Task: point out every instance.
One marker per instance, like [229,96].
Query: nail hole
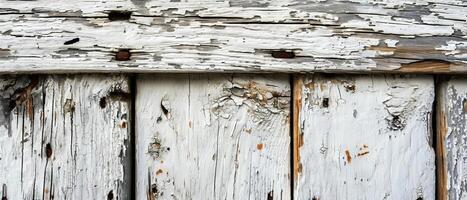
[465,105]
[154,189]
[123,55]
[119,15]
[103,102]
[283,54]
[326,102]
[110,196]
[48,150]
[164,109]
[72,41]
[271,195]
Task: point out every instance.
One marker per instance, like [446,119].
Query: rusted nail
[123,55]
[119,15]
[283,54]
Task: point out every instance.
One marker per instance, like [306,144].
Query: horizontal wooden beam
[367,36]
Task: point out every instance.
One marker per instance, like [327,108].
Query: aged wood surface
[213,137]
[407,36]
[364,137]
[451,139]
[64,137]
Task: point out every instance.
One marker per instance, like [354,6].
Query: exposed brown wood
[426,66]
[297,136]
[451,145]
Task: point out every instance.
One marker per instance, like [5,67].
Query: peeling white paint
[366,137]
[236,35]
[454,108]
[58,143]
[227,137]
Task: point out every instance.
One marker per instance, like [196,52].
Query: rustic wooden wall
[232,136]
[64,137]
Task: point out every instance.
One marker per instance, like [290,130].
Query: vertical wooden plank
[64,137]
[364,137]
[452,139]
[213,137]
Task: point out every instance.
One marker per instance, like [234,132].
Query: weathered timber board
[213,137]
[363,137]
[451,139]
[426,36]
[64,137]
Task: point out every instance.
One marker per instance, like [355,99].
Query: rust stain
[190,124]
[436,66]
[348,157]
[24,98]
[464,105]
[297,135]
[363,153]
[260,146]
[440,150]
[123,124]
[159,172]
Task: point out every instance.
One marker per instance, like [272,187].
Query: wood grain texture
[424,36]
[452,142]
[64,137]
[213,137]
[365,137]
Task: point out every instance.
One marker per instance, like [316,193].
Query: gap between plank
[132,84]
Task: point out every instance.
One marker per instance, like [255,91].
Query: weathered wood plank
[407,36]
[451,139]
[364,137]
[213,137]
[64,137]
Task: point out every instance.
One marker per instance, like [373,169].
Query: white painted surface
[234,35]
[58,143]
[213,137]
[371,141]
[454,134]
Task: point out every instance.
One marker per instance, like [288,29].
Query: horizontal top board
[62,36]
